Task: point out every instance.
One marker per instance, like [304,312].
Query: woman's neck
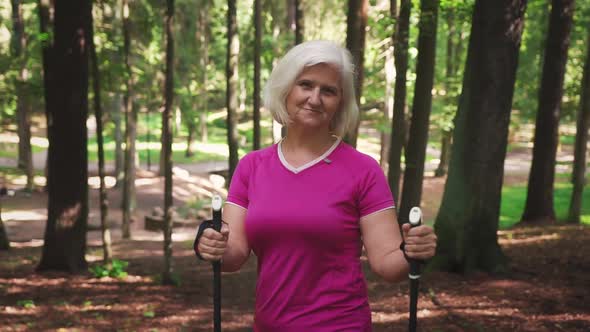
[300,148]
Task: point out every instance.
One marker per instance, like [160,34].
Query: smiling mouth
[313,110]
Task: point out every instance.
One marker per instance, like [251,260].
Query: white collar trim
[309,164]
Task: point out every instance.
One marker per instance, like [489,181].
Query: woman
[307,205]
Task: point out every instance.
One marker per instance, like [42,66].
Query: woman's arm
[238,250]
[382,238]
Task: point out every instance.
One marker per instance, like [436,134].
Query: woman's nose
[314,97]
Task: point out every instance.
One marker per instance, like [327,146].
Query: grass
[514,198]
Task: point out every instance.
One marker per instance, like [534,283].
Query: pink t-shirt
[303,225]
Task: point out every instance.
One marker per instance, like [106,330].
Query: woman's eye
[305,84]
[330,92]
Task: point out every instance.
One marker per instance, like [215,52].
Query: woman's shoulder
[257,156]
[356,157]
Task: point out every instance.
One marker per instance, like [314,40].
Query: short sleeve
[374,194]
[238,188]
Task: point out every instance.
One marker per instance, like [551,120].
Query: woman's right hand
[212,244]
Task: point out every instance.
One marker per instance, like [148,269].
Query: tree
[356,23]
[467,221]
[296,21]
[583,123]
[231,94]
[19,46]
[256,94]
[539,202]
[167,277]
[421,107]
[103,202]
[398,123]
[65,234]
[204,34]
[4,243]
[128,201]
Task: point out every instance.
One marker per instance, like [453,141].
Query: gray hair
[307,54]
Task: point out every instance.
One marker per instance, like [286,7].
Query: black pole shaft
[217,279]
[414,276]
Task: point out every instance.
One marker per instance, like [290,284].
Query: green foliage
[116,269]
[25,303]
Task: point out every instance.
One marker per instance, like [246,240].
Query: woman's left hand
[420,241]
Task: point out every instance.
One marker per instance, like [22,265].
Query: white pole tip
[216,202]
[415,216]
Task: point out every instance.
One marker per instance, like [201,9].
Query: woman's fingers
[213,244]
[420,241]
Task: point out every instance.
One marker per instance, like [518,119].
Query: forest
[120,119]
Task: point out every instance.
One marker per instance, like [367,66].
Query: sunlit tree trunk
[583,124]
[355,42]
[103,202]
[398,123]
[467,221]
[128,202]
[231,101]
[421,107]
[539,202]
[167,277]
[64,245]
[19,49]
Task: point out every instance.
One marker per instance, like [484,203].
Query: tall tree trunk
[65,235]
[539,202]
[467,221]
[130,133]
[231,101]
[451,58]
[583,123]
[385,137]
[204,31]
[167,277]
[356,22]
[191,127]
[398,123]
[117,112]
[256,96]
[106,234]
[421,107]
[46,17]
[299,23]
[19,46]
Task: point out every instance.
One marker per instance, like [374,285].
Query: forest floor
[547,288]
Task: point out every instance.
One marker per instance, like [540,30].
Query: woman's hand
[420,241]
[212,244]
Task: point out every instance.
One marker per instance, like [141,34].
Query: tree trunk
[204,28]
[4,243]
[451,58]
[231,101]
[256,94]
[46,18]
[387,109]
[583,123]
[299,23]
[356,22]
[19,46]
[191,127]
[117,111]
[103,202]
[398,123]
[421,107]
[539,202]
[167,277]
[467,221]
[128,201]
[65,235]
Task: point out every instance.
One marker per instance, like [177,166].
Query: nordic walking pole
[414,275]
[216,205]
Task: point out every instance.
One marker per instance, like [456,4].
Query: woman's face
[315,97]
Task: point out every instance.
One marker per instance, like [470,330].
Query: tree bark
[467,221]
[356,22]
[583,123]
[4,243]
[231,101]
[256,94]
[539,202]
[65,235]
[421,107]
[19,47]
[103,201]
[167,277]
[128,202]
[398,123]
